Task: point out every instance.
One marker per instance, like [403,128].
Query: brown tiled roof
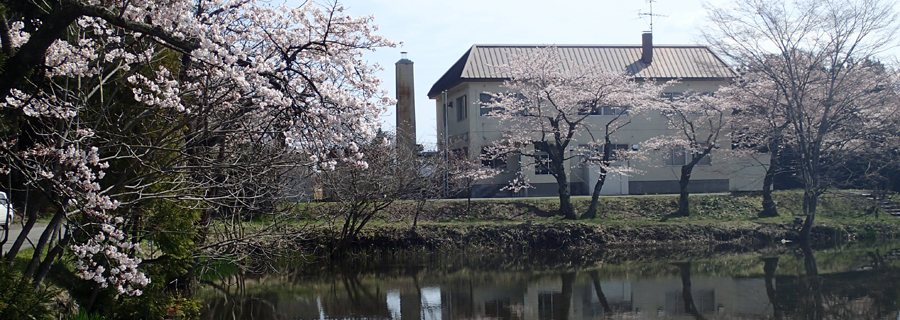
[481,62]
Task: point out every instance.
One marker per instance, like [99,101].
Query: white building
[460,90]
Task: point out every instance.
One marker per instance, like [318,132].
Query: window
[498,161]
[461,153]
[672,96]
[618,151]
[461,108]
[704,301]
[706,160]
[589,109]
[525,107]
[485,99]
[548,302]
[541,164]
[596,154]
[498,309]
[675,157]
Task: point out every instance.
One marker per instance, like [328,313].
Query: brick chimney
[647,47]
[406,104]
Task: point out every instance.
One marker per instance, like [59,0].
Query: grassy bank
[636,224]
[836,207]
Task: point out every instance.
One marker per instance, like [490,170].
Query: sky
[437,33]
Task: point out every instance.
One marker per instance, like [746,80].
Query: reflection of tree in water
[595,280]
[870,293]
[812,285]
[361,297]
[769,267]
[562,309]
[236,305]
[688,298]
[859,294]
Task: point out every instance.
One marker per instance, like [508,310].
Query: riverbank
[589,243]
[628,228]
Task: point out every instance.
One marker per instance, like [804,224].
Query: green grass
[838,206]
[834,208]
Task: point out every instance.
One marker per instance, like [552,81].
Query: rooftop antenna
[650,14]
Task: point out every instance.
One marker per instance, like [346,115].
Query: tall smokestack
[406,104]
[647,47]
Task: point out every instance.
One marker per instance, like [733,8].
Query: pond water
[853,282]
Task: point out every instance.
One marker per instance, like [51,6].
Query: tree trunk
[769,207]
[591,212]
[683,201]
[419,206]
[469,198]
[565,200]
[810,202]
[93,298]
[43,242]
[557,166]
[31,214]
[57,250]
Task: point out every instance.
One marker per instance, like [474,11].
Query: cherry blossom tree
[464,172]
[547,108]
[814,54]
[198,103]
[698,122]
[759,126]
[389,173]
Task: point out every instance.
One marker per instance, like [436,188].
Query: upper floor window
[677,157]
[603,111]
[485,99]
[618,151]
[671,96]
[596,153]
[461,108]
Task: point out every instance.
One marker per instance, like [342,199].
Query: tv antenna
[650,14]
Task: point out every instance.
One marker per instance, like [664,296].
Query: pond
[860,281]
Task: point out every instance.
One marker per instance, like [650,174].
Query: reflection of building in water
[617,294]
[712,296]
[551,297]
[566,296]
[431,303]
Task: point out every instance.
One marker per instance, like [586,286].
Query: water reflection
[783,287]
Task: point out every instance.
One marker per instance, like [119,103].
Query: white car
[6,212]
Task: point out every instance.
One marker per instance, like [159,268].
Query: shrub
[19,300]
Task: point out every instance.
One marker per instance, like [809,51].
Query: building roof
[481,62]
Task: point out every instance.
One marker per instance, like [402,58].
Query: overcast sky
[437,33]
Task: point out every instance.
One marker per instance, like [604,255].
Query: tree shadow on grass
[526,208]
[672,215]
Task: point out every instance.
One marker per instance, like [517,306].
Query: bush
[19,300]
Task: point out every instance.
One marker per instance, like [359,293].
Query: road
[16,228]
